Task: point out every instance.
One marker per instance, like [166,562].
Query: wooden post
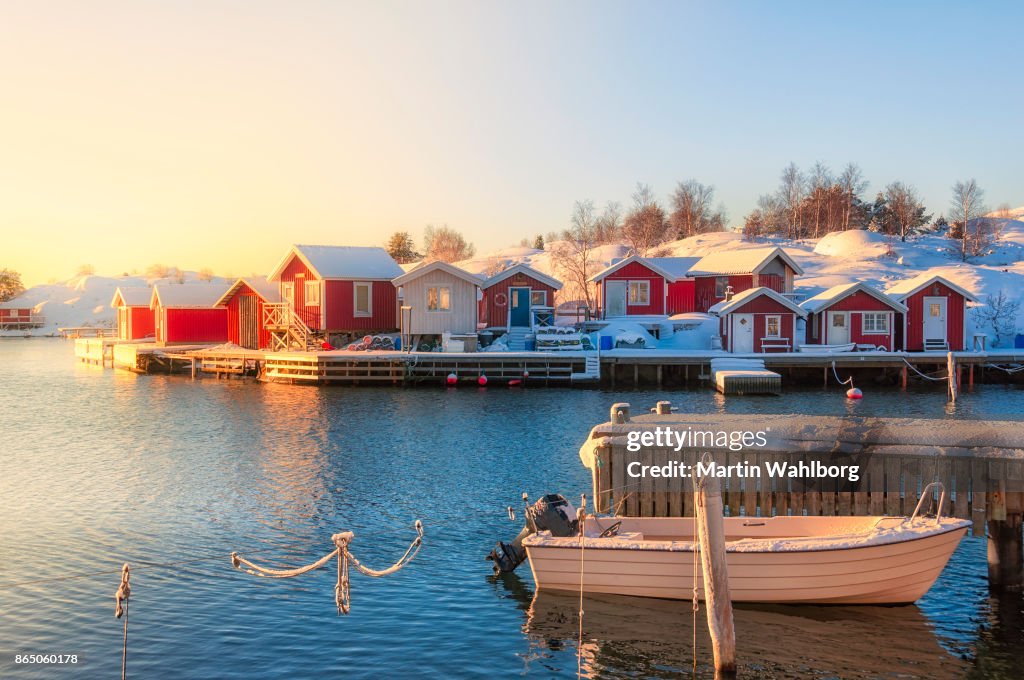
[619,412]
[951,373]
[970,377]
[663,408]
[824,374]
[1005,556]
[903,377]
[716,575]
[659,375]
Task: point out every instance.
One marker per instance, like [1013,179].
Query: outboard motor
[550,513]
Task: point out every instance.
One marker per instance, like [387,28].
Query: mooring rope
[581,517]
[1016,368]
[842,382]
[342,598]
[124,591]
[697,485]
[924,375]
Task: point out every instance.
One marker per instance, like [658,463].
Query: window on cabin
[721,284]
[875,322]
[773,327]
[288,291]
[312,293]
[362,301]
[935,310]
[639,292]
[439,299]
[538,298]
[814,326]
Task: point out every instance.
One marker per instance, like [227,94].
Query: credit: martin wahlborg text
[669,438]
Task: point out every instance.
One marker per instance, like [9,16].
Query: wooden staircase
[517,338]
[287,330]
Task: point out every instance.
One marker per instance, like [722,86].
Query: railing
[285,326]
[19,321]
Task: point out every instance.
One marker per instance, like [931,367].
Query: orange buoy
[854,393]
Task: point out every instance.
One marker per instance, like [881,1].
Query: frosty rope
[124,591]
[848,381]
[342,598]
[925,375]
[581,516]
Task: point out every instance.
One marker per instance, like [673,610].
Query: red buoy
[452,379]
[854,393]
[482,381]
[515,383]
[526,374]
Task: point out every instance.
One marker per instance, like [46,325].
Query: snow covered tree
[967,206]
[402,248]
[445,244]
[573,254]
[10,284]
[999,314]
[645,225]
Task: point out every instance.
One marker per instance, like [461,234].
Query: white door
[742,332]
[614,298]
[838,328]
[935,319]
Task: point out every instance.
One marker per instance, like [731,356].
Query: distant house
[644,286]
[188,313]
[853,312]
[340,289]
[134,316]
[244,301]
[15,317]
[442,299]
[936,316]
[758,320]
[509,296]
[741,270]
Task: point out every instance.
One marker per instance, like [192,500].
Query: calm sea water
[101,467]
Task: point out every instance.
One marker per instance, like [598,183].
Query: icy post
[711,530]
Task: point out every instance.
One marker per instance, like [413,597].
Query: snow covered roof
[268,290]
[726,306]
[132,296]
[745,261]
[191,295]
[679,267]
[342,262]
[649,262]
[526,270]
[834,294]
[436,265]
[904,289]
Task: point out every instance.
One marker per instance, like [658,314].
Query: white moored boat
[810,560]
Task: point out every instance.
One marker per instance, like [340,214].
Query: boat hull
[893,573]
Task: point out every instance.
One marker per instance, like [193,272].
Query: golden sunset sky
[214,134]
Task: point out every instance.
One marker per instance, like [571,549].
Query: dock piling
[718,606]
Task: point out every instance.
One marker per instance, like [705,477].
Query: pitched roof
[726,306]
[342,262]
[190,295]
[649,262]
[679,267]
[745,261]
[904,289]
[427,267]
[829,297]
[268,290]
[526,269]
[132,296]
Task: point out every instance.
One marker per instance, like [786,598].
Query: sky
[214,134]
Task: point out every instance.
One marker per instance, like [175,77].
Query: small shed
[758,320]
[244,301]
[14,317]
[510,295]
[134,316]
[187,313]
[340,289]
[441,298]
[739,270]
[632,286]
[853,312]
[936,316]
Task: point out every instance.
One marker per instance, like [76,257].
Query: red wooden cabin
[853,312]
[645,286]
[134,315]
[509,296]
[340,289]
[20,318]
[741,270]
[186,313]
[244,301]
[936,316]
[758,320]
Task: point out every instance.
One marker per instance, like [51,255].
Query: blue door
[519,303]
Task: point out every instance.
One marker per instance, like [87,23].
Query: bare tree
[905,209]
[609,224]
[818,182]
[791,194]
[573,254]
[999,313]
[967,205]
[852,183]
[691,209]
[445,244]
[205,274]
[1003,212]
[645,225]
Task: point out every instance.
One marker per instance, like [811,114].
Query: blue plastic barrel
[606,342]
[398,343]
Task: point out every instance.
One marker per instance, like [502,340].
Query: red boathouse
[853,312]
[739,270]
[134,316]
[936,317]
[758,320]
[645,286]
[244,301]
[186,313]
[510,296]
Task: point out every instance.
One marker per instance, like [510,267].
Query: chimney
[728,293]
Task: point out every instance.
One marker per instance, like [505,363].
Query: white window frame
[368,285]
[643,285]
[543,294]
[314,288]
[440,299]
[876,329]
[722,281]
[768,323]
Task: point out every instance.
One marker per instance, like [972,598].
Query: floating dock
[744,376]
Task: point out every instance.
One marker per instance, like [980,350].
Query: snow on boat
[828,349]
[806,560]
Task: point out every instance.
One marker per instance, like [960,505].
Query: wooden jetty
[98,351]
[980,464]
[75,332]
